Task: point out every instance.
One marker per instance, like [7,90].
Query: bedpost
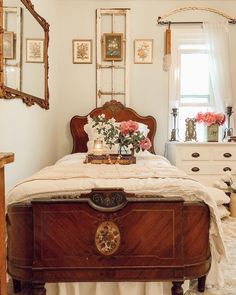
[201,284]
[177,288]
[16,286]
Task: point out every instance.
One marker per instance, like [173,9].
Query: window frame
[182,36]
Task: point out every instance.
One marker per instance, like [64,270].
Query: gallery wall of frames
[113,48]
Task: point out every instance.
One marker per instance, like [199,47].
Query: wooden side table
[5,158]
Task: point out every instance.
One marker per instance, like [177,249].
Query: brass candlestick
[229,130]
[174,131]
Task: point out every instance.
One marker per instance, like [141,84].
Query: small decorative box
[110,159]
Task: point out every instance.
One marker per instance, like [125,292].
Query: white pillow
[143,128]
[93,134]
[223,212]
[220,184]
[218,195]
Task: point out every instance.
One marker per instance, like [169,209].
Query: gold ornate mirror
[24,38]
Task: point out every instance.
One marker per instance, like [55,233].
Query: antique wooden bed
[108,234]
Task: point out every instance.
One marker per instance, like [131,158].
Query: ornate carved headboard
[111,109]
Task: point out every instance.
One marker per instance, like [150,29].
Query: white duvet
[151,174]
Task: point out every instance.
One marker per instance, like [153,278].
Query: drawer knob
[227,169]
[195,169]
[195,155]
[227,155]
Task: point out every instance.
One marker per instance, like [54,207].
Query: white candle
[98,147]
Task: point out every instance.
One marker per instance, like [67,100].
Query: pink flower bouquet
[127,127]
[210,118]
[130,135]
[126,134]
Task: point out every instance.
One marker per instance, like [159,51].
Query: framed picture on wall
[35,50]
[112,46]
[8,45]
[82,51]
[143,51]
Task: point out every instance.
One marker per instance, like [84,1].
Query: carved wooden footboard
[108,235]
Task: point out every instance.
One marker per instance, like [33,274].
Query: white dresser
[205,161]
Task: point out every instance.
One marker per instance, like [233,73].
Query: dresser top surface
[200,143]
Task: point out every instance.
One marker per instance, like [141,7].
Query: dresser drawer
[193,153]
[222,167]
[224,153]
[211,167]
[197,168]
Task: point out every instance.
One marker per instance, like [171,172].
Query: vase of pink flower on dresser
[212,121]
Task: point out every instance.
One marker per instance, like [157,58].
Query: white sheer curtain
[217,38]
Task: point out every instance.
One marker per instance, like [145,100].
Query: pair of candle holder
[228,132]
[174,131]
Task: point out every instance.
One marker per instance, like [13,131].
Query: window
[194,78]
[190,86]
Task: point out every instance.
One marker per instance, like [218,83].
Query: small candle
[98,147]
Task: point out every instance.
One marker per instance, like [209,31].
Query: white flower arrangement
[107,129]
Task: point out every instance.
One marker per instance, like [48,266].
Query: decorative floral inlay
[107,238]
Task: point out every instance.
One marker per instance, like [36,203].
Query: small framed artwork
[112,46]
[8,45]
[82,51]
[35,50]
[143,51]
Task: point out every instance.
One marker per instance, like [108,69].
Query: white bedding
[150,175]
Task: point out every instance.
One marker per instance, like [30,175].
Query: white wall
[39,137]
[149,83]
[29,132]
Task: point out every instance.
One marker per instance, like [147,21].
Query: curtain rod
[159,22]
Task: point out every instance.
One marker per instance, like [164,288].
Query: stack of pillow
[219,192]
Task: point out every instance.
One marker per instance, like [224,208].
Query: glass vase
[124,150]
[213,133]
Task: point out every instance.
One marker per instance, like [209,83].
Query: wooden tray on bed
[110,159]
